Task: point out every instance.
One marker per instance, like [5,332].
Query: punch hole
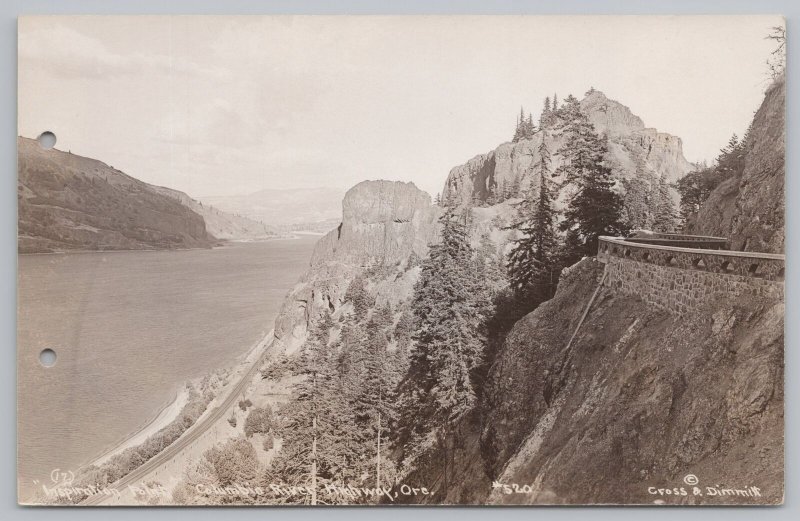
[47,357]
[47,140]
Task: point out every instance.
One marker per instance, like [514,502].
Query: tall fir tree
[532,261]
[570,110]
[519,132]
[530,128]
[595,208]
[320,436]
[438,388]
[665,214]
[544,117]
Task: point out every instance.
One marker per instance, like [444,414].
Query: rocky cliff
[749,208]
[640,404]
[384,224]
[634,151]
[69,202]
[643,397]
[640,399]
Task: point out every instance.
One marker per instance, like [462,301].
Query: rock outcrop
[634,151]
[749,208]
[70,202]
[384,224]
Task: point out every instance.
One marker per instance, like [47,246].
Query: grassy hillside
[69,202]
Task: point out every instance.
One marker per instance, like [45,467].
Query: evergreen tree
[530,128]
[555,103]
[569,112]
[544,117]
[595,209]
[665,215]
[438,387]
[695,187]
[730,161]
[532,261]
[357,294]
[519,133]
[320,437]
[638,203]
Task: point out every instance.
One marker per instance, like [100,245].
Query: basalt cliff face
[634,151]
[749,208]
[384,224]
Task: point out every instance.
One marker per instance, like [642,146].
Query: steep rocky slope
[749,208]
[69,202]
[634,151]
[384,224]
[640,399]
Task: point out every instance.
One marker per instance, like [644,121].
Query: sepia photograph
[400,260]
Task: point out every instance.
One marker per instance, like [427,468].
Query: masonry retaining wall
[685,280]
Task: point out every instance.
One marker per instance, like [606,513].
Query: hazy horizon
[224,106]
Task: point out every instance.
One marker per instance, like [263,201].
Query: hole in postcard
[47,140]
[47,357]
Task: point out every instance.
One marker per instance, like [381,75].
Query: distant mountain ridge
[307,207]
[221,224]
[70,202]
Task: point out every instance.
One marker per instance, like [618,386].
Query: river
[128,328]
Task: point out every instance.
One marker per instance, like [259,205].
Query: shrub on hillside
[258,421]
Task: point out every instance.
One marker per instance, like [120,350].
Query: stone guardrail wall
[685,280]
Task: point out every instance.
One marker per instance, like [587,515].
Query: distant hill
[221,224]
[70,202]
[284,207]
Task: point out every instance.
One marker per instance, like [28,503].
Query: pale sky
[231,105]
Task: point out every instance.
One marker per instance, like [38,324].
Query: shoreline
[165,415]
[222,243]
[170,411]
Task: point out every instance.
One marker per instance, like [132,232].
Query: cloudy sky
[231,105]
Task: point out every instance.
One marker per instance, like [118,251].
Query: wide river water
[128,329]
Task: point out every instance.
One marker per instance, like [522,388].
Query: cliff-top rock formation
[634,151]
[384,223]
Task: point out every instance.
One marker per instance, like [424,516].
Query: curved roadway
[194,432]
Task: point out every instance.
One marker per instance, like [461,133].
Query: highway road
[138,476]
